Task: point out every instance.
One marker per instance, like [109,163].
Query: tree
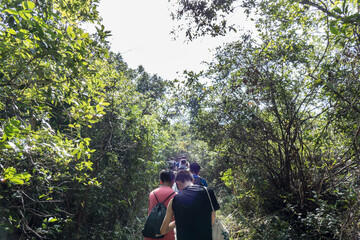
[279,108]
[129,141]
[50,89]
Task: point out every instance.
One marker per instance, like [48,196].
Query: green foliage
[274,122]
[282,112]
[11,175]
[39,66]
[154,86]
[206,17]
[79,145]
[128,142]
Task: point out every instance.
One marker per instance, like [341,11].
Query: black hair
[184,176]
[194,167]
[167,176]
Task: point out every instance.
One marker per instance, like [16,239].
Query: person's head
[167,177]
[194,168]
[183,161]
[183,179]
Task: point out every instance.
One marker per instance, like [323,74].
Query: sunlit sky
[141,33]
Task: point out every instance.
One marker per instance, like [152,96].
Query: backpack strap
[168,197]
[212,207]
[165,198]
[156,198]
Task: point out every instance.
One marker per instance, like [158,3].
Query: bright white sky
[141,33]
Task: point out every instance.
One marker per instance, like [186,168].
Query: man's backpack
[197,181]
[171,164]
[155,219]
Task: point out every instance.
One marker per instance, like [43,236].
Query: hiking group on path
[182,202]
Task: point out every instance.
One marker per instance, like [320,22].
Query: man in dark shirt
[191,209]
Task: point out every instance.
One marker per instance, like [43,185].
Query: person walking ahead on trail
[191,209]
[195,169]
[179,162]
[172,164]
[166,180]
[183,165]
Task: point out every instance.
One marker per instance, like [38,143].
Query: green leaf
[28,5]
[11,11]
[70,32]
[20,179]
[25,15]
[85,35]
[41,196]
[318,82]
[11,130]
[11,31]
[9,172]
[105,104]
[333,28]
[16,181]
[51,219]
[24,176]
[338,10]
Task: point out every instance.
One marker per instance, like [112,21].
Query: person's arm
[167,224]
[213,216]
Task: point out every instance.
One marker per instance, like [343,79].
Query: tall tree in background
[129,141]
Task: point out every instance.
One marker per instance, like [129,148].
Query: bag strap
[168,197]
[165,198]
[212,207]
[156,198]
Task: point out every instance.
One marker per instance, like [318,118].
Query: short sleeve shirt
[161,193]
[192,211]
